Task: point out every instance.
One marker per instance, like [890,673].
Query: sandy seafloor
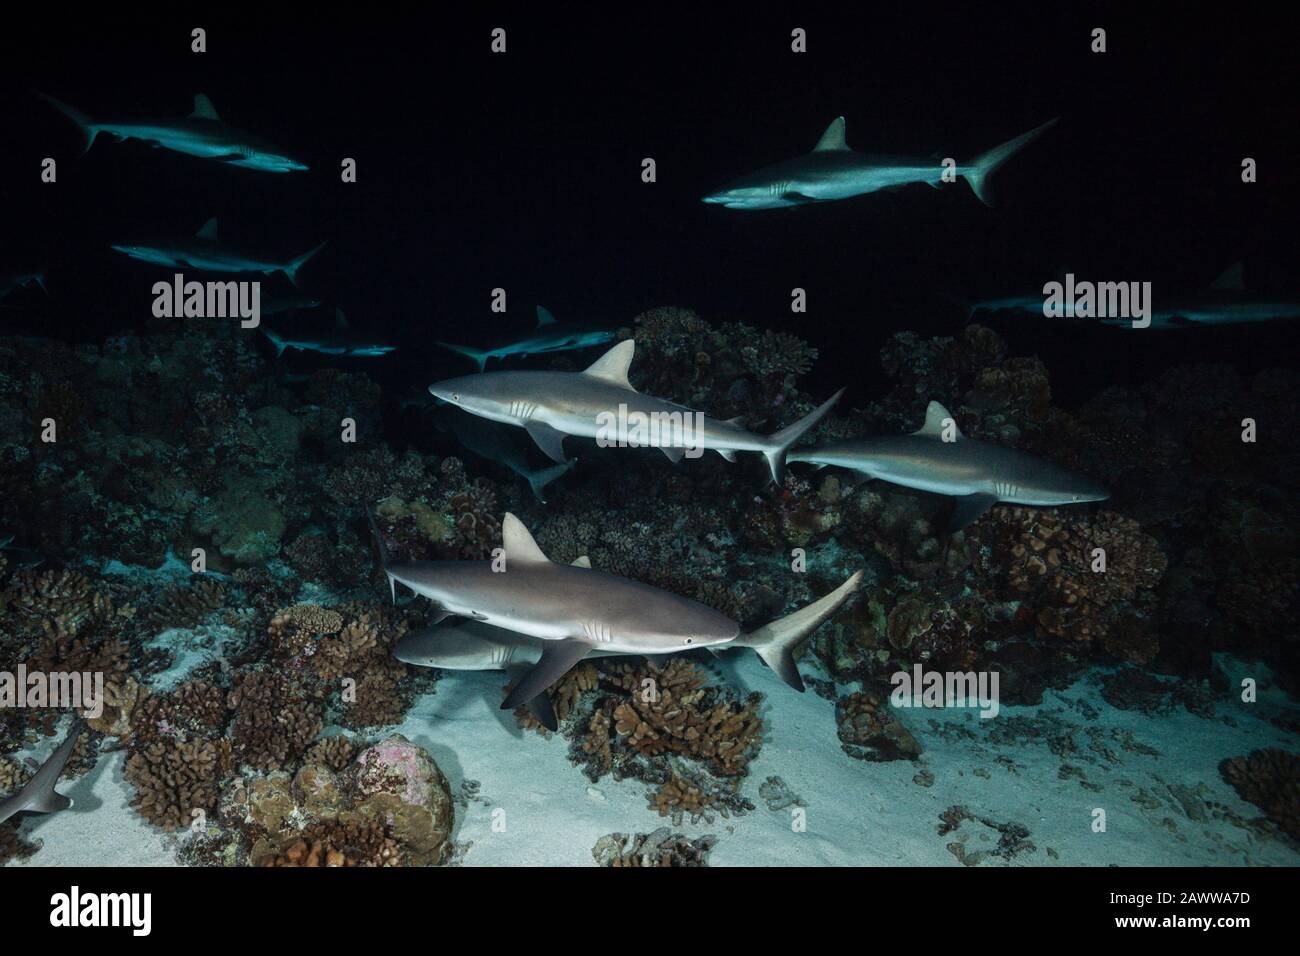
[1159,784]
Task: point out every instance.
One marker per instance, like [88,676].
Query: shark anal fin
[799,199]
[549,440]
[969,509]
[558,658]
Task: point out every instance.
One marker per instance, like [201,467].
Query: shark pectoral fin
[672,454]
[969,509]
[798,199]
[549,440]
[558,658]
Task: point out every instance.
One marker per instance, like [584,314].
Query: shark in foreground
[475,646]
[833,171]
[940,459]
[554,405]
[571,609]
[201,134]
[206,253]
[39,796]
[340,342]
[550,336]
[499,443]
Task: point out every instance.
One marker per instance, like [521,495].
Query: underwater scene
[631,439]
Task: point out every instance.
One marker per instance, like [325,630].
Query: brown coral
[1270,779]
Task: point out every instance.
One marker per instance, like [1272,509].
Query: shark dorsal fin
[209,230]
[613,365]
[833,138]
[1230,280]
[582,561]
[544,317]
[340,320]
[936,419]
[519,544]
[203,109]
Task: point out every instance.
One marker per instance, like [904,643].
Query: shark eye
[455,396]
[689,640]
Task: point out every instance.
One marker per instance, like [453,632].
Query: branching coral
[173,780]
[868,731]
[660,848]
[274,721]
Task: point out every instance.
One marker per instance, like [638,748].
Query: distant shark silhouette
[201,134]
[206,253]
[341,342]
[833,171]
[551,336]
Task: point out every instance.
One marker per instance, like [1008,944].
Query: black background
[522,170]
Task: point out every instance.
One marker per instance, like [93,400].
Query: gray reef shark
[475,646]
[206,253]
[940,459]
[499,443]
[550,336]
[553,405]
[572,609]
[833,171]
[39,795]
[340,342]
[201,134]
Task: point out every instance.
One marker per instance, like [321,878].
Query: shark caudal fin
[480,357]
[537,480]
[382,548]
[986,164]
[291,269]
[84,122]
[779,442]
[777,642]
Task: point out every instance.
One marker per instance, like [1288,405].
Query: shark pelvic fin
[519,544]
[558,658]
[833,138]
[544,317]
[937,420]
[582,561]
[970,508]
[203,109]
[612,367]
[549,440]
[209,230]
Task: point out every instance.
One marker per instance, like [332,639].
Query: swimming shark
[275,301]
[554,405]
[206,253]
[39,795]
[499,443]
[12,282]
[940,459]
[572,609]
[340,342]
[833,171]
[201,134]
[475,646]
[550,336]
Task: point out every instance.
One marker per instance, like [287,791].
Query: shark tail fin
[480,358]
[84,122]
[382,548]
[986,164]
[279,343]
[777,642]
[537,480]
[291,269]
[779,442]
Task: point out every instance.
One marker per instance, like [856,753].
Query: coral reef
[660,848]
[1270,779]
